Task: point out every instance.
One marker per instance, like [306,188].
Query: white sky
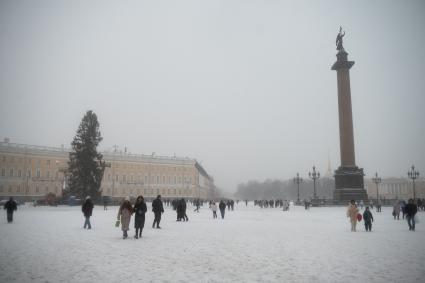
[243,86]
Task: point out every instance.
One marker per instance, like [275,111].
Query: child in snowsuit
[368,218]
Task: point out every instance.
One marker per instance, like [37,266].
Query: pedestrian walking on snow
[352,212]
[411,210]
[157,209]
[213,207]
[10,207]
[396,210]
[222,207]
[87,209]
[124,215]
[368,219]
[139,218]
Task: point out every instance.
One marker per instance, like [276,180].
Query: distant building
[31,172]
[395,188]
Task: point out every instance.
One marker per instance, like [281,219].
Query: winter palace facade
[30,172]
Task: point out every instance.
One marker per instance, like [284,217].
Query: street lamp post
[314,175]
[298,180]
[413,174]
[377,180]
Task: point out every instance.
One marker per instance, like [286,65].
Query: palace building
[30,172]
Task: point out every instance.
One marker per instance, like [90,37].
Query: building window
[48,174]
[47,189]
[36,189]
[157,179]
[163,179]
[109,177]
[29,174]
[1,188]
[146,179]
[19,173]
[180,180]
[3,172]
[10,189]
[48,163]
[116,177]
[38,173]
[11,172]
[18,189]
[131,178]
[124,178]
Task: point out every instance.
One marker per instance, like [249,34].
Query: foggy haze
[245,87]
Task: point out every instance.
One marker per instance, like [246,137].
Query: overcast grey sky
[243,86]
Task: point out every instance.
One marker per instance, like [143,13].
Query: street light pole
[413,174]
[377,180]
[314,175]
[298,180]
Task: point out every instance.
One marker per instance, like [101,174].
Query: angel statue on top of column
[339,39]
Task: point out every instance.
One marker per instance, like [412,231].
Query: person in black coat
[139,219]
[222,207]
[157,209]
[368,219]
[185,218]
[10,207]
[87,210]
[411,209]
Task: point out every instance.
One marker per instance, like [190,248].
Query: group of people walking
[221,207]
[409,210]
[139,209]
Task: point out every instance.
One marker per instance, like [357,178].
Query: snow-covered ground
[48,244]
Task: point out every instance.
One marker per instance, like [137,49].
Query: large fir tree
[85,163]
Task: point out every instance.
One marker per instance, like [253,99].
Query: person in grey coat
[124,215]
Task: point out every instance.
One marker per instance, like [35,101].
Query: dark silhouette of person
[222,207]
[10,207]
[157,209]
[87,209]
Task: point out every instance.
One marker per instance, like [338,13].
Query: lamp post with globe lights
[377,180]
[314,176]
[298,180]
[413,174]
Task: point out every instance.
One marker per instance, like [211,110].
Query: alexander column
[348,177]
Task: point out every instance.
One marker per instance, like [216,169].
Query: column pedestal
[349,185]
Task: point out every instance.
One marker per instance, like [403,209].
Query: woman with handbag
[352,212]
[139,218]
[124,214]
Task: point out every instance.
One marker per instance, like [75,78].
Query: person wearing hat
[87,209]
[157,209]
[125,212]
